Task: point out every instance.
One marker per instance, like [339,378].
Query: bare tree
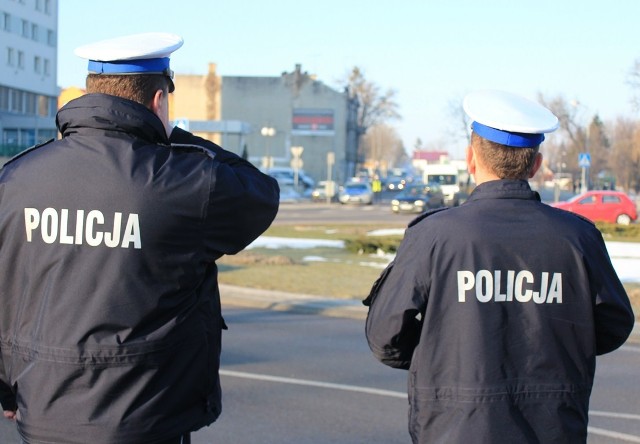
[625,153]
[375,107]
[460,128]
[383,147]
[633,80]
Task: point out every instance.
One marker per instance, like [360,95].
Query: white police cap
[508,119]
[146,53]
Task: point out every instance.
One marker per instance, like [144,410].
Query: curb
[309,304]
[295,303]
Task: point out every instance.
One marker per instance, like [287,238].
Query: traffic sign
[296,163]
[584,160]
[296,151]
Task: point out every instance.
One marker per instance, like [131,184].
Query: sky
[431,52]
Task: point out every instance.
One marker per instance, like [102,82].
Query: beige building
[272,120]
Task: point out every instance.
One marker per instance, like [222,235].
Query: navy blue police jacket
[498,309]
[111,321]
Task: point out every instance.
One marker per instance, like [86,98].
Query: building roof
[430,156]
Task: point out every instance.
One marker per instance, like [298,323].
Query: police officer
[111,325]
[499,307]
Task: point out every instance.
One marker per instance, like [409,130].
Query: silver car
[356,192]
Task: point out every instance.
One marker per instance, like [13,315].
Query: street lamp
[268,132]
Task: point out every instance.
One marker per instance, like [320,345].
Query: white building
[28,73]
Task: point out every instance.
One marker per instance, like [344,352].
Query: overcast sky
[431,52]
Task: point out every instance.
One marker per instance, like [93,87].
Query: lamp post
[268,132]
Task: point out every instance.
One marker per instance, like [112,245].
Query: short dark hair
[139,88]
[504,161]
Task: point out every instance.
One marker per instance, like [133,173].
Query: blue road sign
[584,160]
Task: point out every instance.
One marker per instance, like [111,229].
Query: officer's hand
[10,414]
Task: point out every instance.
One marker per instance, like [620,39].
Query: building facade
[28,73]
[289,121]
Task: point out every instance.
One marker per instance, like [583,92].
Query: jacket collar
[504,189]
[110,113]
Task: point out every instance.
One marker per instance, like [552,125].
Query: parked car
[602,206]
[289,195]
[323,190]
[418,198]
[356,192]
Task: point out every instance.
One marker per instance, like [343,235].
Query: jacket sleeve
[397,300]
[7,397]
[243,202]
[613,315]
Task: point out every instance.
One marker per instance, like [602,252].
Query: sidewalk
[308,304]
[296,303]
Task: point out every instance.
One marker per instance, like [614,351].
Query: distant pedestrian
[499,307]
[111,323]
[376,187]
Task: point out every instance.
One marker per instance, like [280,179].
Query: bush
[371,245]
[619,232]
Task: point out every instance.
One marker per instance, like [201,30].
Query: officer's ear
[537,163]
[160,107]
[471,160]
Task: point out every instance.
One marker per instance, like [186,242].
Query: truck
[445,175]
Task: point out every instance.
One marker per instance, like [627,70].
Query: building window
[6,21]
[4,98]
[15,104]
[11,57]
[38,5]
[10,137]
[47,7]
[29,103]
[28,137]
[47,67]
[34,32]
[43,106]
[21,59]
[25,28]
[51,38]
[37,65]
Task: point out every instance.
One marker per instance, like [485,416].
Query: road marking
[345,387]
[614,415]
[616,435]
[394,394]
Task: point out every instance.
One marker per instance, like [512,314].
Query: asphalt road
[307,378]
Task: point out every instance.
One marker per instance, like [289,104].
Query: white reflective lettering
[541,296]
[31,221]
[465,282]
[500,297]
[65,238]
[49,226]
[522,294]
[79,226]
[57,226]
[112,239]
[132,232]
[555,289]
[522,285]
[94,239]
[484,285]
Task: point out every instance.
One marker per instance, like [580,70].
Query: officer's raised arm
[243,201]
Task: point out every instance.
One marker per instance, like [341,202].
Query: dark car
[602,206]
[418,198]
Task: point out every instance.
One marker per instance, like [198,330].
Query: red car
[602,206]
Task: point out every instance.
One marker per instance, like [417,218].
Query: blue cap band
[517,140]
[140,66]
